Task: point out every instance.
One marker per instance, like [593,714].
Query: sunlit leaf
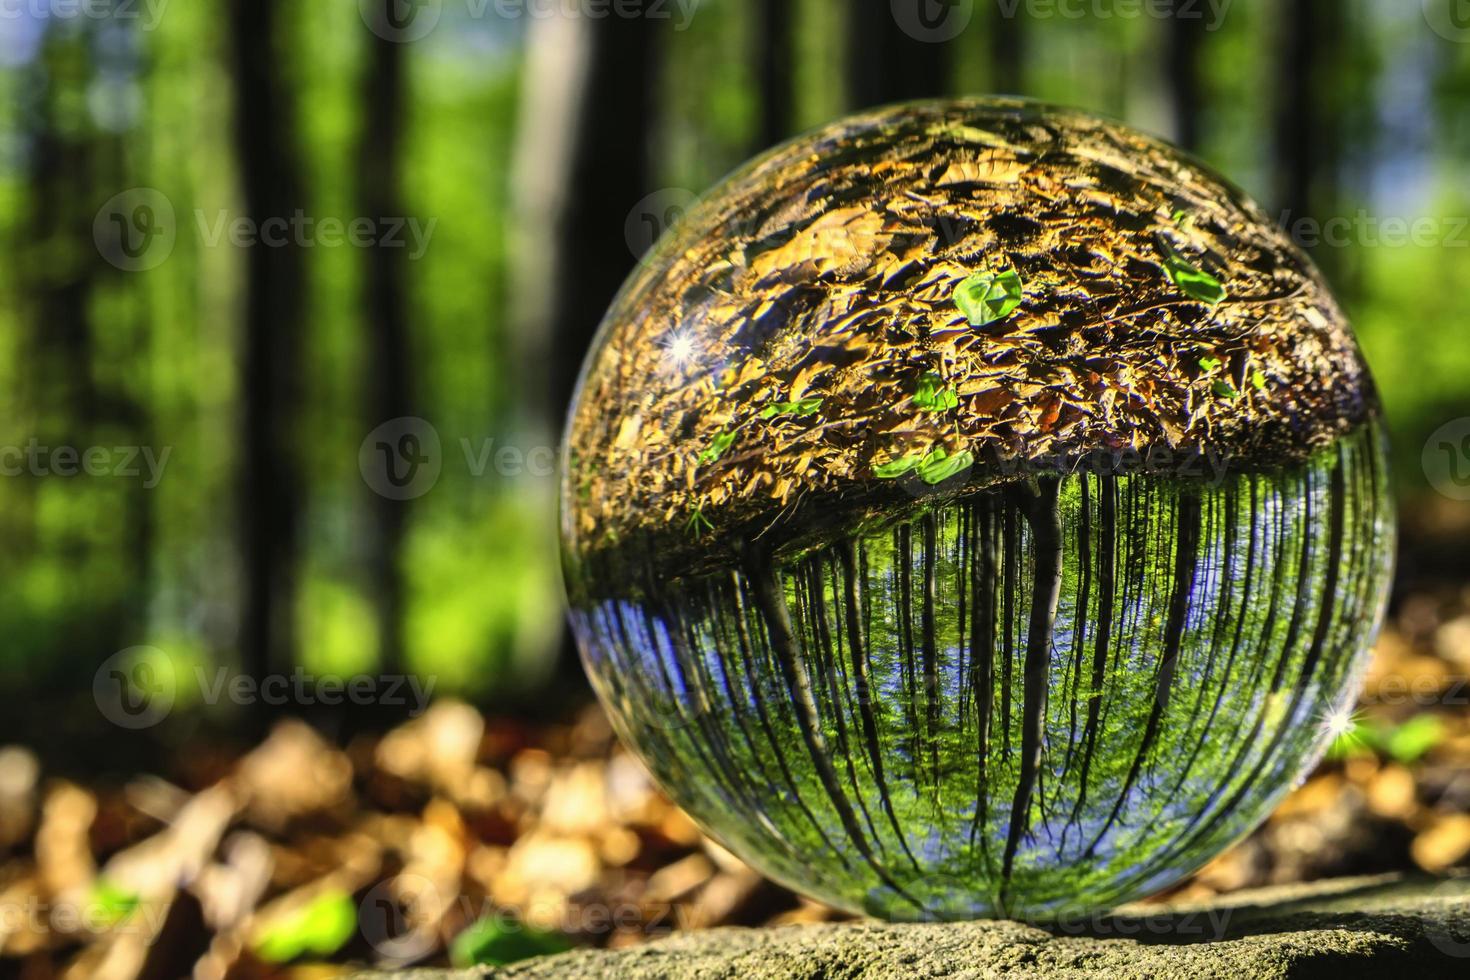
[1258,380]
[717,446]
[806,406]
[1414,738]
[939,466]
[898,467]
[985,297]
[1209,363]
[114,903]
[1197,283]
[319,928]
[493,942]
[932,396]
[1224,389]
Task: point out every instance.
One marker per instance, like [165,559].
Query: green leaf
[939,466]
[1259,380]
[1410,741]
[113,902]
[932,396]
[320,927]
[717,446]
[1224,389]
[698,522]
[1209,363]
[985,298]
[896,468]
[807,406]
[493,942]
[1198,284]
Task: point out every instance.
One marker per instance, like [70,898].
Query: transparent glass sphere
[975,508]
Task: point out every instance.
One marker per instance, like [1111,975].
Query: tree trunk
[385,313]
[608,175]
[1182,72]
[774,53]
[270,484]
[1008,51]
[892,62]
[1305,127]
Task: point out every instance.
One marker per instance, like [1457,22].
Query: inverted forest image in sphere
[975,508]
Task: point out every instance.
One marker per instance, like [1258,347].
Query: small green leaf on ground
[1197,283]
[1407,743]
[114,903]
[717,446]
[939,466]
[1258,380]
[932,396]
[1224,389]
[807,406]
[985,298]
[493,942]
[320,928]
[1209,363]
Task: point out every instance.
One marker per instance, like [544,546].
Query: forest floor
[457,837]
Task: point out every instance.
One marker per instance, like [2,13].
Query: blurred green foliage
[92,355]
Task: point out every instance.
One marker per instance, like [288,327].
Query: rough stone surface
[1378,927]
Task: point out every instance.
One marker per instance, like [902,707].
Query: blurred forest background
[505,162]
[292,298]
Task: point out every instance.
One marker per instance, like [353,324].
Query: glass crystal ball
[975,508]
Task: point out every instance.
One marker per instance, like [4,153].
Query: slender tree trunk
[1305,127]
[887,62]
[385,313]
[1008,50]
[63,402]
[1183,71]
[599,149]
[270,486]
[773,58]
[609,174]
